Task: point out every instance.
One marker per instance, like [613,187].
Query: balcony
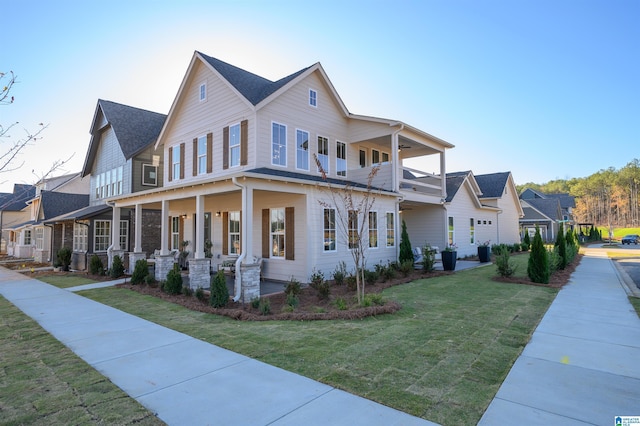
[417,185]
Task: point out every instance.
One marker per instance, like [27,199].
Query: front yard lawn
[443,356]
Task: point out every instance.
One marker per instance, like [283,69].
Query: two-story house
[241,179]
[120,160]
[12,214]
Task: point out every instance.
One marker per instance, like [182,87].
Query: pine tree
[538,266]
[405,245]
[561,247]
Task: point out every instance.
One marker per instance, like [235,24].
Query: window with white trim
[391,230]
[302,150]
[329,231]
[451,232]
[124,235]
[373,229]
[202,155]
[341,159]
[175,158]
[203,92]
[149,175]
[353,228]
[278,144]
[313,98]
[27,237]
[39,238]
[80,236]
[102,235]
[472,231]
[175,233]
[363,158]
[234,232]
[323,153]
[277,232]
[234,145]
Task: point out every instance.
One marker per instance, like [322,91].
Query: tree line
[608,197]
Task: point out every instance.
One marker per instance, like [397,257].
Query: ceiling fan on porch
[403,146]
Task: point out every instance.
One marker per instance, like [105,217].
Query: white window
[119,181]
[97,183]
[234,145]
[341,159]
[102,235]
[472,231]
[202,155]
[124,235]
[323,153]
[353,228]
[313,98]
[450,232]
[329,230]
[80,236]
[391,230]
[27,237]
[234,232]
[363,158]
[107,184]
[302,150]
[175,159]
[277,233]
[39,238]
[278,144]
[149,175]
[373,229]
[375,156]
[114,182]
[203,91]
[385,158]
[175,233]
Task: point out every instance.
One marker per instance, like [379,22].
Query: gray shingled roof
[251,86]
[454,182]
[550,207]
[17,200]
[135,128]
[83,213]
[492,185]
[566,200]
[57,203]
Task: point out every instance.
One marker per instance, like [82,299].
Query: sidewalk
[181,378]
[582,365]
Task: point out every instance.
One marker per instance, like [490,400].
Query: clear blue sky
[545,89]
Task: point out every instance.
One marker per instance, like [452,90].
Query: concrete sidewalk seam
[332,389]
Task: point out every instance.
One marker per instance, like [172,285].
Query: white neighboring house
[13,213]
[239,174]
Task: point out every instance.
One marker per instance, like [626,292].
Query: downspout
[243,243]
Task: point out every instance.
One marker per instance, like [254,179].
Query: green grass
[635,301]
[65,281]
[442,357]
[44,383]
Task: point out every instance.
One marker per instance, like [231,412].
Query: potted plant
[449,256]
[484,251]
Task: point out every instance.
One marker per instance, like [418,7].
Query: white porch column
[115,249]
[199,247]
[247,224]
[164,228]
[137,248]
[396,165]
[443,175]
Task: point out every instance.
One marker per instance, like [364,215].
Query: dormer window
[313,98]
[203,92]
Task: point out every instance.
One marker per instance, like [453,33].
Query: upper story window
[341,159]
[202,155]
[313,98]
[378,157]
[323,153]
[149,175]
[302,150]
[362,158]
[109,183]
[234,145]
[175,161]
[203,92]
[278,144]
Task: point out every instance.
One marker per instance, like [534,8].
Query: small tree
[219,291]
[140,272]
[174,281]
[406,254]
[538,265]
[95,265]
[64,258]
[117,267]
[561,247]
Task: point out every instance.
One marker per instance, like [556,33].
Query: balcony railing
[420,182]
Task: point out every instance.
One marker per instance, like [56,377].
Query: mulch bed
[557,279]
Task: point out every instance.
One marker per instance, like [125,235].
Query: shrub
[406,267]
[372,299]
[504,266]
[264,306]
[95,265]
[340,304]
[351,282]
[200,295]
[293,287]
[526,241]
[561,247]
[406,254]
[150,280]
[322,287]
[219,296]
[64,258]
[428,258]
[497,249]
[370,277]
[553,259]
[117,267]
[389,272]
[292,300]
[173,285]
[187,291]
[340,273]
[140,272]
[515,247]
[538,265]
[255,302]
[316,277]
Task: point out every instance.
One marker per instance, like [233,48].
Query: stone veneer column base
[112,254]
[199,275]
[250,282]
[134,257]
[164,263]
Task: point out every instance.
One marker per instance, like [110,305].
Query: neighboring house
[548,211]
[53,197]
[12,213]
[120,160]
[480,209]
[240,173]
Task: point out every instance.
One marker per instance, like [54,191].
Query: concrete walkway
[181,378]
[582,365]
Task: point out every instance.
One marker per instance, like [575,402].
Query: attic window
[203,92]
[313,98]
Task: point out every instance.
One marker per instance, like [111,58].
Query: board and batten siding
[193,118]
[109,156]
